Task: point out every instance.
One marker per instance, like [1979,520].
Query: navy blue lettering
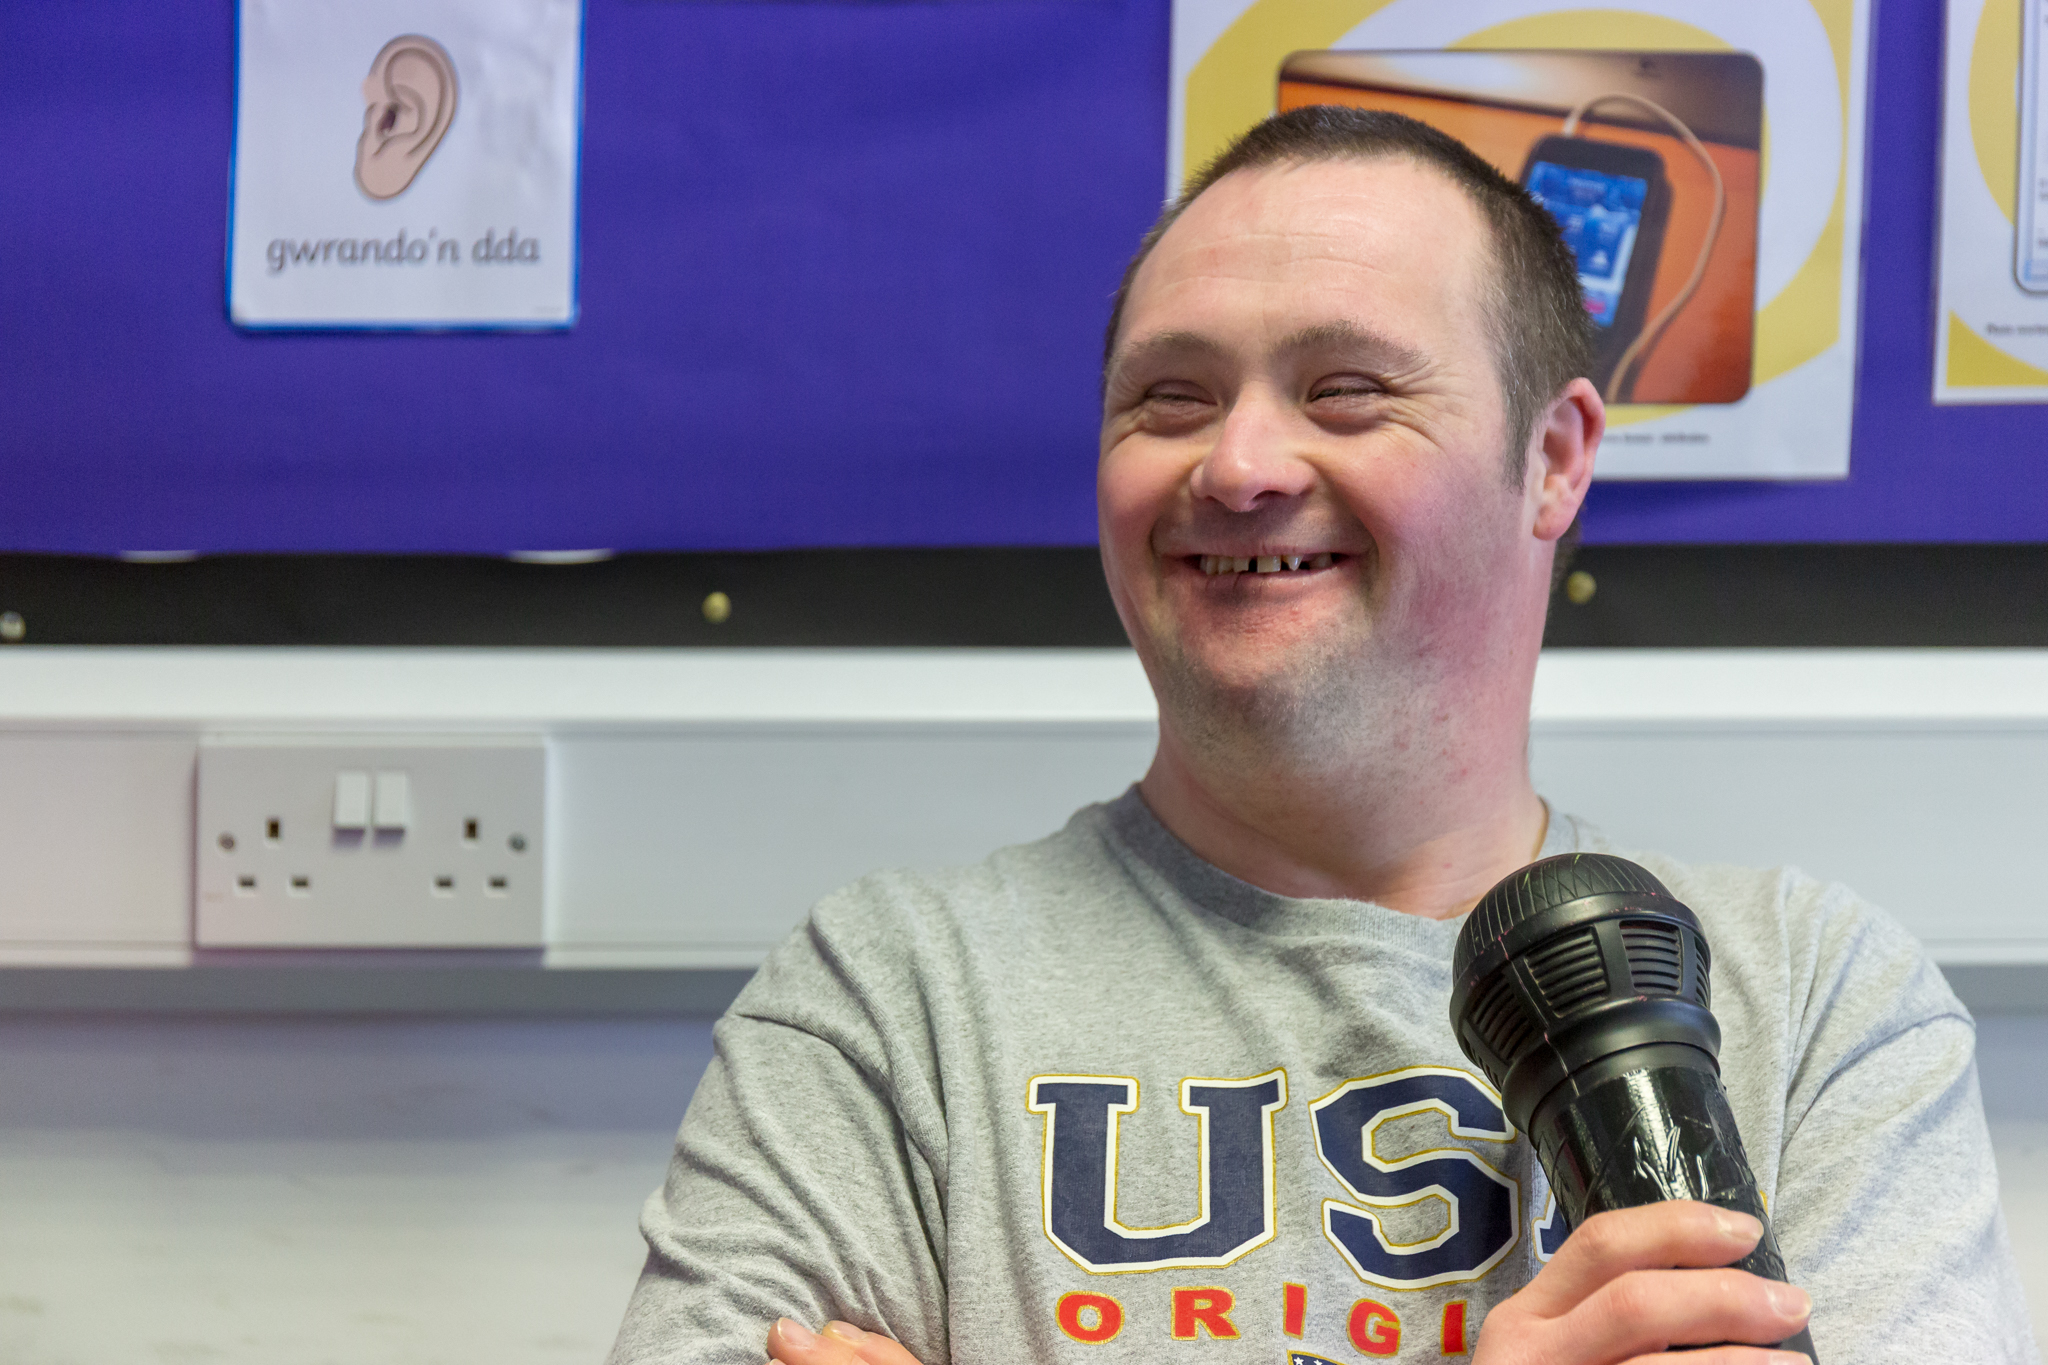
[1081,1171]
[1483,1204]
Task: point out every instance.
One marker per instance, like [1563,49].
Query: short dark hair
[1542,338]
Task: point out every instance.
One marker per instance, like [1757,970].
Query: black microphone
[1579,986]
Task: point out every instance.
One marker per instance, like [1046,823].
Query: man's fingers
[841,1343]
[872,1348]
[792,1343]
[1647,1311]
[1632,1284]
[1653,1237]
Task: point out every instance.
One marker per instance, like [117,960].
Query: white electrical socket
[370,842]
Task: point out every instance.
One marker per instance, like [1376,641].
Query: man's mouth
[1214,565]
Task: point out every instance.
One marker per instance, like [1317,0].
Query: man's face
[1305,378]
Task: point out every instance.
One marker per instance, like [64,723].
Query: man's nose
[1256,458]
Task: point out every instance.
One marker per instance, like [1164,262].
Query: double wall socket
[370,842]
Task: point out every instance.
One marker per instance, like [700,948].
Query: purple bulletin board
[844,269]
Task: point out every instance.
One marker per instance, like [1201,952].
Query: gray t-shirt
[1095,1098]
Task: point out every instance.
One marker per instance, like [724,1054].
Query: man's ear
[409,101]
[1561,460]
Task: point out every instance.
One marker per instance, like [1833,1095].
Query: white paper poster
[406,163]
[1704,159]
[1992,326]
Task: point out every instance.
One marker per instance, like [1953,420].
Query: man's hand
[841,1343]
[1612,1296]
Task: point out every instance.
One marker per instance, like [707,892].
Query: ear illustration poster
[1704,161]
[1991,326]
[407,164]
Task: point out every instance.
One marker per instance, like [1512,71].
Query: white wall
[302,1192]
[700,800]
[2012,1063]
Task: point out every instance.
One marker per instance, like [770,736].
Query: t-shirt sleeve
[799,1185]
[1887,1200]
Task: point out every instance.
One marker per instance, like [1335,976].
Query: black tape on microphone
[1580,988]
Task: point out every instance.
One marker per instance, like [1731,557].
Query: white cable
[1647,338]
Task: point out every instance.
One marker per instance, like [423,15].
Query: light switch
[394,802]
[351,800]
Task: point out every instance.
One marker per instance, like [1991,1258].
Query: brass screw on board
[12,627]
[1579,587]
[717,608]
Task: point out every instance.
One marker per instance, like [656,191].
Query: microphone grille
[1572,960]
[1542,886]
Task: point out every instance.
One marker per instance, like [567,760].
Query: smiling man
[1178,1080]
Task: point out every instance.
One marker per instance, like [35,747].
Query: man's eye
[1343,388]
[1173,400]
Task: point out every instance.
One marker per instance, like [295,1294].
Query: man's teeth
[1218,564]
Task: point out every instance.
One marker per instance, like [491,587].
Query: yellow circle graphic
[1994,111]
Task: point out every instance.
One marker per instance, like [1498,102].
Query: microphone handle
[1646,1125]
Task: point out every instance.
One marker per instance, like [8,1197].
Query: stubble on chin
[1313,709]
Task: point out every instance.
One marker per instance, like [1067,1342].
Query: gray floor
[292,1192]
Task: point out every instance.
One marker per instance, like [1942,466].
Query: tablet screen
[1599,213]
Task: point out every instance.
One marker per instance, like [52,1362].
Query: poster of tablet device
[1991,323]
[405,164]
[1704,161]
